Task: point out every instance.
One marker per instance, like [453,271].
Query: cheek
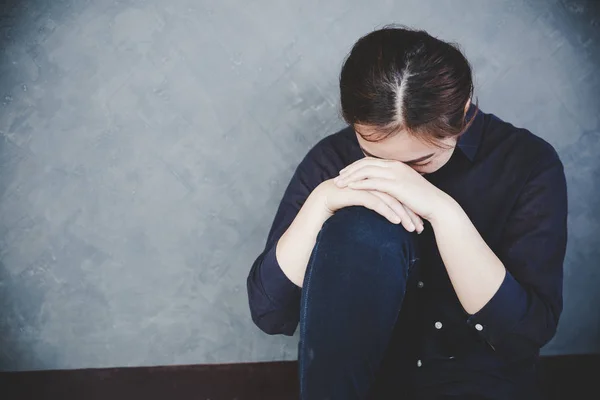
[426,170]
[432,166]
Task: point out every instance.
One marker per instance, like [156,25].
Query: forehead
[399,146]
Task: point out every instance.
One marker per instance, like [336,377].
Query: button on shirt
[512,186]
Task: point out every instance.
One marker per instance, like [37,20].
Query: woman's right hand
[334,198]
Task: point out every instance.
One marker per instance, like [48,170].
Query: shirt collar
[470,140]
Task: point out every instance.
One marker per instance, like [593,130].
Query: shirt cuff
[502,312]
[277,286]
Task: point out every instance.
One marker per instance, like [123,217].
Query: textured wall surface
[145,145]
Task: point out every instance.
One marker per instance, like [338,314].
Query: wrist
[446,210]
[317,203]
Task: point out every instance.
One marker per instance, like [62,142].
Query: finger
[417,221]
[402,210]
[379,184]
[373,202]
[363,172]
[399,209]
[363,162]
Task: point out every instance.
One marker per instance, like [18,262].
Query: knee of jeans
[366,228]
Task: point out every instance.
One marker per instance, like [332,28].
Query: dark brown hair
[397,78]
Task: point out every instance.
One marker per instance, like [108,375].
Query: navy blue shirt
[511,184]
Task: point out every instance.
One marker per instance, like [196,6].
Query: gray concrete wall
[146,144]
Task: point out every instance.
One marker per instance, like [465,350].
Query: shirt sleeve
[275,300]
[523,314]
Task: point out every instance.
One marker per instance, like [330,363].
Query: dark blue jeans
[352,293]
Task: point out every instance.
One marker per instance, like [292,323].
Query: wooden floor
[564,377]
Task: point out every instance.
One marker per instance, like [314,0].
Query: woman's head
[406,94]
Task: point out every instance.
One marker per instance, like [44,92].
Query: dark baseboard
[562,377]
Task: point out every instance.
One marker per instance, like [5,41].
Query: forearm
[296,244]
[475,271]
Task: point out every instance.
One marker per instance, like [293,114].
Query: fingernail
[412,227]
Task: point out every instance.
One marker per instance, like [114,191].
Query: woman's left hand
[396,179]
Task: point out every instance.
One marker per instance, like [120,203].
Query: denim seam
[413,261]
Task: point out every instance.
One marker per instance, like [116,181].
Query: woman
[421,248]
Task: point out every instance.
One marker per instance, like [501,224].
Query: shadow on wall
[21,296]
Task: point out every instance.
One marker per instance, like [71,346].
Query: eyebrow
[416,160]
